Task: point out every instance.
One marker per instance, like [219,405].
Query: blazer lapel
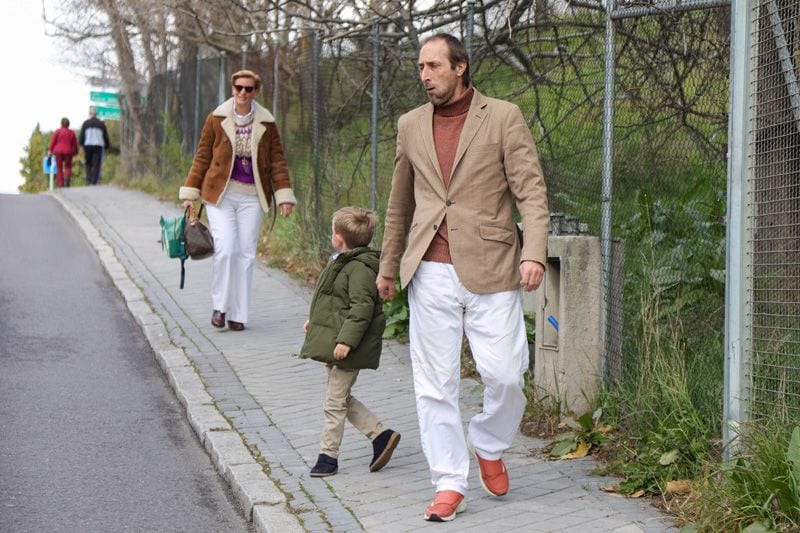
[426,137]
[475,117]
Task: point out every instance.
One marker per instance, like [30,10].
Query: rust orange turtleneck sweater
[448,121]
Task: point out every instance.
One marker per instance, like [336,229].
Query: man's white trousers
[441,311]
[235,224]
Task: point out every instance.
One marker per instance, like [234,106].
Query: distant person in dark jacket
[94,140]
[64,146]
[345,331]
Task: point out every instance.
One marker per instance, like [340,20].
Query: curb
[261,500]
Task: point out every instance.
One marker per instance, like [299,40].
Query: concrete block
[184,378]
[275,519]
[252,487]
[227,449]
[205,419]
[129,291]
[156,334]
[188,386]
[568,352]
[171,357]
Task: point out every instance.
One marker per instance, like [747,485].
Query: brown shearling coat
[496,163]
[213,163]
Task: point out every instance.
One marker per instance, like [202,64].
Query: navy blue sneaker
[382,447]
[326,466]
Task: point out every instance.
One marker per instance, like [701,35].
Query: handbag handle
[189,213]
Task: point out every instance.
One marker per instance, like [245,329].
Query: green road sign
[105,98]
[108,113]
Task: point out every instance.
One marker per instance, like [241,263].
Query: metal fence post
[276,79]
[736,261]
[221,86]
[376,45]
[468,30]
[196,100]
[315,126]
[606,194]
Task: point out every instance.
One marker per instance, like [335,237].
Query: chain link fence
[665,198]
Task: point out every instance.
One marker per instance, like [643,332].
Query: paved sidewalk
[257,407]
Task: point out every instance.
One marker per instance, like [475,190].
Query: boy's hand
[341,351]
[305,327]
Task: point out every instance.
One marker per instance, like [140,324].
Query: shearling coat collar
[261,115]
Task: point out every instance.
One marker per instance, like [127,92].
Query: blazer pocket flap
[497,233]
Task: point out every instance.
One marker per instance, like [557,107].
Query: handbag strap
[191,215]
[183,256]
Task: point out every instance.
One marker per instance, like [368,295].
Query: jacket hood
[363,254]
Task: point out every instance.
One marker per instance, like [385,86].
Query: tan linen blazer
[496,163]
[211,169]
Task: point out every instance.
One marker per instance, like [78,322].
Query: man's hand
[532,273]
[286,209]
[341,351]
[305,327]
[385,287]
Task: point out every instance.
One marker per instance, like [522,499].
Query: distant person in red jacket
[64,145]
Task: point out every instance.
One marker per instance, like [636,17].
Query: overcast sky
[34,87]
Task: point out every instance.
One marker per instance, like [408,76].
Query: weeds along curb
[261,500]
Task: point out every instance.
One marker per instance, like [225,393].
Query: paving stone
[252,487]
[205,419]
[269,519]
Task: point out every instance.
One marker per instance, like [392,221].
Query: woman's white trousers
[235,224]
[442,310]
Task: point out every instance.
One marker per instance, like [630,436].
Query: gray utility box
[568,366]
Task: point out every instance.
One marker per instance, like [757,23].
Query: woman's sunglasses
[248,88]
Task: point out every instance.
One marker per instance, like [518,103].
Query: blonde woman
[238,172]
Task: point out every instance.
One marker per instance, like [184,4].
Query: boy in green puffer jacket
[345,331]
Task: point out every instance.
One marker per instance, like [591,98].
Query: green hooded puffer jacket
[346,309]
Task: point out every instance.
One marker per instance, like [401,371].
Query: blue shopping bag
[49,164]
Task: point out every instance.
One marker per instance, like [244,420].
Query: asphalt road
[91,436]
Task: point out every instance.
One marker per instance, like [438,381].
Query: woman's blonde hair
[356,225]
[246,74]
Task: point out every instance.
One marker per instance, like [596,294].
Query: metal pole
[222,85]
[737,261]
[468,30]
[376,46]
[315,128]
[52,167]
[606,197]
[667,8]
[276,80]
[197,100]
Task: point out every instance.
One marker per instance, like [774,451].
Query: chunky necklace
[244,133]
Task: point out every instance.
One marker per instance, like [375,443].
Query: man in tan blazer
[462,161]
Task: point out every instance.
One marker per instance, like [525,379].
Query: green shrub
[759,488]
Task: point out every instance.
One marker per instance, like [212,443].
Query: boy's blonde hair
[246,74]
[356,225]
